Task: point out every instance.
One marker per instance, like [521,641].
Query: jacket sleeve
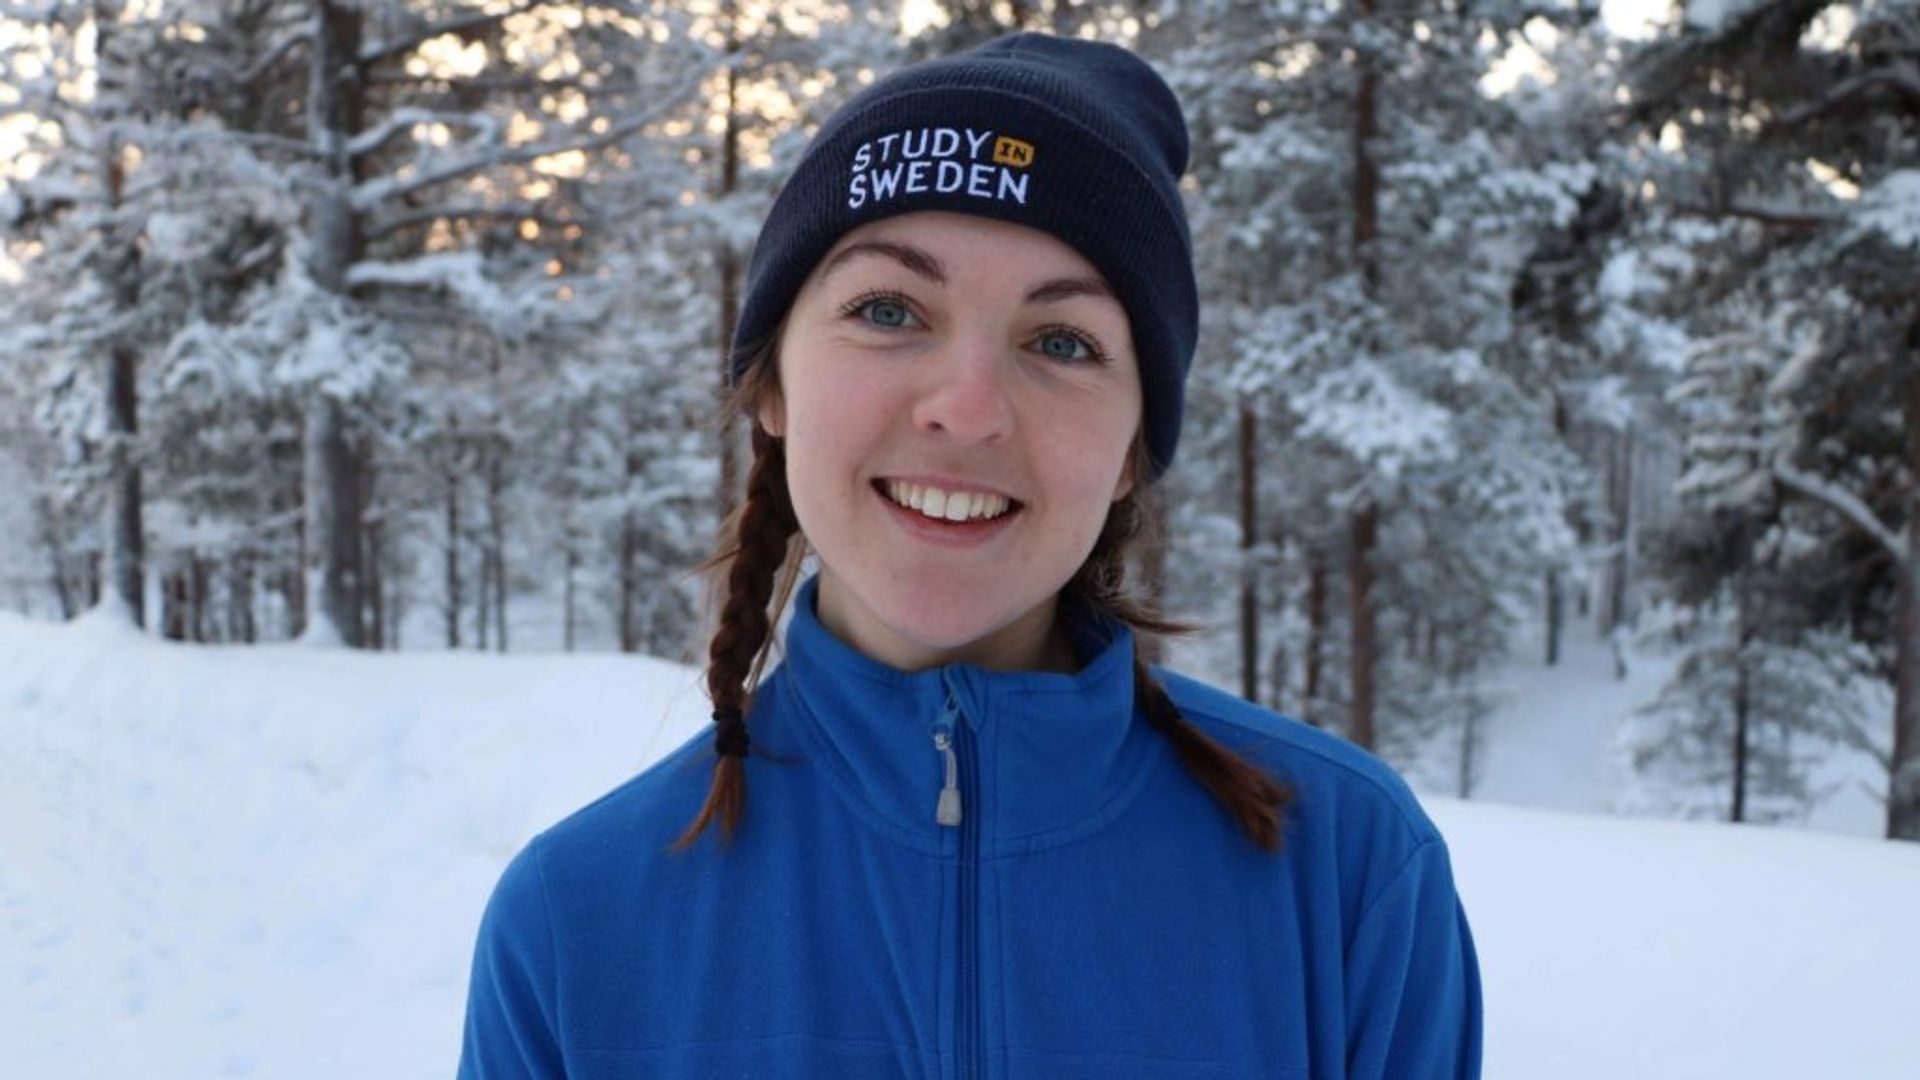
[1413,979]
[511,1029]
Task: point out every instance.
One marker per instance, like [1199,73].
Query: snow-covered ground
[1553,742]
[270,861]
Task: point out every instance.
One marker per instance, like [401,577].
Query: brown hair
[762,544]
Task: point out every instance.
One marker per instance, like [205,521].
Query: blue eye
[883,310]
[888,312]
[1060,343]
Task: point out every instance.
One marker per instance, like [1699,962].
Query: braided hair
[762,544]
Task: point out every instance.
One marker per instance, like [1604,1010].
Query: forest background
[398,324]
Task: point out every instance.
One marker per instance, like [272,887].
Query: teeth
[947,505]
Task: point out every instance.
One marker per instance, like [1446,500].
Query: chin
[944,631]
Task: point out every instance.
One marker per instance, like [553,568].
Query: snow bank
[225,861]
[222,861]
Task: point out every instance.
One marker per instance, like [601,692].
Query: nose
[965,395]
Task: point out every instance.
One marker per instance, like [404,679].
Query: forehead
[1004,250]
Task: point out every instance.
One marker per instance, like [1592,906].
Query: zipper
[954,740]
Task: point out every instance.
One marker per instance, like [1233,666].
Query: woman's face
[977,369]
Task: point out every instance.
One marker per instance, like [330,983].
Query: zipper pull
[948,810]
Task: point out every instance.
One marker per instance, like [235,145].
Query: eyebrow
[1066,288]
[928,266]
[914,259]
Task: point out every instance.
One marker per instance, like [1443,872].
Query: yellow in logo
[1011,151]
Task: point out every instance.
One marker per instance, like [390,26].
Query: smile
[940,504]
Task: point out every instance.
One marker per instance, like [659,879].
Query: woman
[962,829]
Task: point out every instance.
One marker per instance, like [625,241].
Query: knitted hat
[1079,139]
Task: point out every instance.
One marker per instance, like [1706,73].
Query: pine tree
[1804,122]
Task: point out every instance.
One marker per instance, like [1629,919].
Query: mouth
[947,506]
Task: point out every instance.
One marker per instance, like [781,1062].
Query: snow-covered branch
[256,139]
[518,211]
[466,24]
[1846,503]
[1901,78]
[21,13]
[374,192]
[486,127]
[274,54]
[1786,217]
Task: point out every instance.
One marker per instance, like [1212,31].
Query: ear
[1124,487]
[772,414]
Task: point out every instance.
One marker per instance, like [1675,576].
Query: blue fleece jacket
[1092,914]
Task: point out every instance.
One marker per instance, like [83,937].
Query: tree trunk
[1903,790]
[126,548]
[729,269]
[629,555]
[173,605]
[1363,523]
[376,535]
[335,582]
[1279,661]
[483,601]
[573,571]
[1742,701]
[373,556]
[1249,572]
[198,594]
[1365,533]
[569,530]
[497,536]
[126,553]
[1316,636]
[240,621]
[1555,588]
[293,599]
[452,558]
[293,581]
[1366,170]
[1469,747]
[1556,614]
[58,569]
[629,583]
[1621,565]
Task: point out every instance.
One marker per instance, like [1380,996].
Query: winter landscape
[1555,434]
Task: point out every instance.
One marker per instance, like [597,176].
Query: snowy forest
[398,325]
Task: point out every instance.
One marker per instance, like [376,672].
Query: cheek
[828,437]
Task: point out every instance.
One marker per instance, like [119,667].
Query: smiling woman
[987,838]
[958,359]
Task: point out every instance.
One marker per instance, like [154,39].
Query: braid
[1256,800]
[762,533]
[1253,798]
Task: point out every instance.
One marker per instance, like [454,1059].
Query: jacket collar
[1043,758]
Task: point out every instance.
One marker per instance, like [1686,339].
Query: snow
[222,861]
[1892,208]
[270,861]
[1613,947]
[1713,16]
[1548,748]
[1371,416]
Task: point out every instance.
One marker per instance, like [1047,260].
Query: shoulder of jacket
[1319,764]
[656,802]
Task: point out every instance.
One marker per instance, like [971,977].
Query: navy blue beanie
[1080,139]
